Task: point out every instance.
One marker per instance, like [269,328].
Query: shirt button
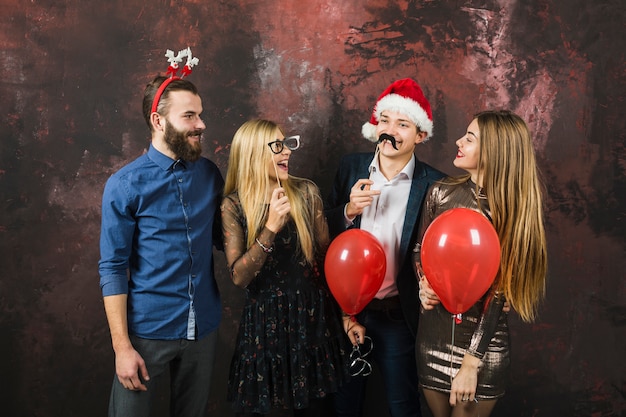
[180,180]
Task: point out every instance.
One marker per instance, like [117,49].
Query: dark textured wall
[73,72]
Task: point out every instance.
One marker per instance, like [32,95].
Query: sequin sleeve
[486,326]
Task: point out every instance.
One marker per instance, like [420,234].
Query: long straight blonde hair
[510,179]
[247,174]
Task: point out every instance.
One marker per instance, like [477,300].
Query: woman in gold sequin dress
[465,375]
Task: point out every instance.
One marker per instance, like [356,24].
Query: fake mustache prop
[386,137]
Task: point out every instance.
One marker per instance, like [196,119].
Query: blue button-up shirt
[160,221]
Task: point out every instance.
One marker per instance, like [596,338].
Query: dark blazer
[356,166]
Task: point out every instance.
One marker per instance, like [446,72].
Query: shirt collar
[407,171]
[165,162]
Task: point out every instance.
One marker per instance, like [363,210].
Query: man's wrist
[122,344]
[349,219]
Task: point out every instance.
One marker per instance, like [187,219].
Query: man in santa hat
[382,192]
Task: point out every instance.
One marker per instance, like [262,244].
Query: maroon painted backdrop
[73,72]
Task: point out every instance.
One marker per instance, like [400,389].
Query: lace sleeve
[244,263]
[321,233]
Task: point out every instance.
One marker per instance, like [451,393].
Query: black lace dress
[483,331]
[290,344]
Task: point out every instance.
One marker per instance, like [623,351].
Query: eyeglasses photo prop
[292,143]
[357,365]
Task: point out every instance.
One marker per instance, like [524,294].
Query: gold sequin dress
[483,330]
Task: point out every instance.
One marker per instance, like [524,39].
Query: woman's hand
[355,331]
[278,211]
[428,298]
[465,382]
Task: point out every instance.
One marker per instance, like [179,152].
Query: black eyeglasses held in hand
[292,143]
[357,365]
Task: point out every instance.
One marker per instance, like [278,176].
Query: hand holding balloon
[427,295]
[354,330]
[429,298]
[461,256]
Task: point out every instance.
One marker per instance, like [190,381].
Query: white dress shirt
[384,218]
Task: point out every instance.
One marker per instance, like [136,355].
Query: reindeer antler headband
[172,70]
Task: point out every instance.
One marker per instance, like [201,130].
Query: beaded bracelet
[265,248]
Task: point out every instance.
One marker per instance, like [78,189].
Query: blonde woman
[502,182]
[288,352]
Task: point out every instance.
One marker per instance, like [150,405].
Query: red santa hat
[405,97]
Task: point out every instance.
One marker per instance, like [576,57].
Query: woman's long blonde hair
[510,179]
[247,174]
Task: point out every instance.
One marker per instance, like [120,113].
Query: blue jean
[394,353]
[190,363]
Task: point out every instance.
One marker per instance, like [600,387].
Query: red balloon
[355,267]
[460,257]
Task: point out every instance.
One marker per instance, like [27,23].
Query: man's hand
[129,366]
[360,197]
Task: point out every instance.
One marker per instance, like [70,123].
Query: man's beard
[179,144]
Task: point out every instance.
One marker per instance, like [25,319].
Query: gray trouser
[190,363]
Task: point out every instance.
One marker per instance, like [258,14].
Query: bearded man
[160,221]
